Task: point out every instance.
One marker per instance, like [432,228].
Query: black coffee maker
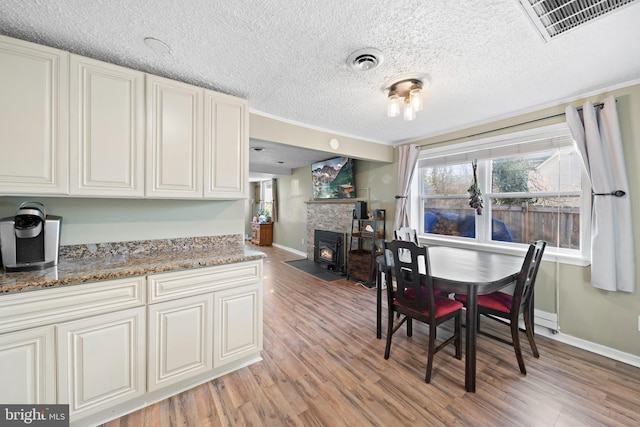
[30,240]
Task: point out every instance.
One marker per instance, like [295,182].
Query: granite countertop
[92,263]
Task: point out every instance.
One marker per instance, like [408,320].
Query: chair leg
[458,332]
[430,352]
[409,326]
[387,349]
[516,346]
[528,324]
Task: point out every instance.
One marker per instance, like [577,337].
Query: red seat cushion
[409,293]
[498,301]
[443,306]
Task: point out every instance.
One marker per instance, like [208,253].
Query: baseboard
[288,249]
[620,356]
[549,323]
[546,319]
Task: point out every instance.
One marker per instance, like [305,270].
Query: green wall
[113,220]
[268,129]
[375,183]
[291,227]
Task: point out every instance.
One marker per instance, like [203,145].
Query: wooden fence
[547,223]
[535,222]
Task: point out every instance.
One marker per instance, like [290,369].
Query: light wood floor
[323,366]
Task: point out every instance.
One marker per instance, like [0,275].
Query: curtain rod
[600,105]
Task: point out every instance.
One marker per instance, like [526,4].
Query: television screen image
[333,179]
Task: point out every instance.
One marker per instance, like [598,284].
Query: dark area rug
[314,269]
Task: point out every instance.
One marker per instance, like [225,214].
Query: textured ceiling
[484,57]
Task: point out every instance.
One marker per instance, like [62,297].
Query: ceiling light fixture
[408,91]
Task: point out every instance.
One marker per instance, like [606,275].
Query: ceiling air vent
[554,17]
[365,59]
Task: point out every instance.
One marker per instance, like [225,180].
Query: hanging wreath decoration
[475,195]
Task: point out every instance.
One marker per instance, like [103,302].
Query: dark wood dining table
[468,272]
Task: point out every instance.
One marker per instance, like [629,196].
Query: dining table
[462,271]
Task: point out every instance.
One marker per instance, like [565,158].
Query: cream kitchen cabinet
[237,324]
[74,125]
[227,298]
[107,129]
[196,142]
[179,340]
[34,104]
[108,348]
[101,361]
[27,366]
[83,345]
[174,140]
[226,137]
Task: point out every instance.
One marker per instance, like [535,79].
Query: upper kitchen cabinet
[76,126]
[174,139]
[225,146]
[107,129]
[197,142]
[34,118]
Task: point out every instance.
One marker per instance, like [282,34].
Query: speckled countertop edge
[131,263]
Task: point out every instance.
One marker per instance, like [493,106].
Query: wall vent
[555,17]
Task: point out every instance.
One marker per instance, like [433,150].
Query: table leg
[470,342]
[379,303]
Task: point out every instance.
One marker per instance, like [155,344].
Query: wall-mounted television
[333,179]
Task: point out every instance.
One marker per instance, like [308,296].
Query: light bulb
[415,96]
[409,112]
[393,106]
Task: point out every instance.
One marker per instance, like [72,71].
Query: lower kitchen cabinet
[110,347]
[27,366]
[237,323]
[101,361]
[179,340]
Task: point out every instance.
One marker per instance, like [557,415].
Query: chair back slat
[523,293]
[409,264]
[407,234]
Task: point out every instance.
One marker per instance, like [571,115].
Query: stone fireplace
[332,216]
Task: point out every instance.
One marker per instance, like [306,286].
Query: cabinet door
[27,367]
[179,340]
[101,361]
[107,129]
[174,139]
[33,118]
[225,146]
[238,324]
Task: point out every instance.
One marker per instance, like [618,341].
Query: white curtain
[597,135]
[408,158]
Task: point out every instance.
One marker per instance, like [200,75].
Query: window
[533,187]
[267,197]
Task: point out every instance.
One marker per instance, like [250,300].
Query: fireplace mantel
[334,201]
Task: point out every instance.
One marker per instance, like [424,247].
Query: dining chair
[506,308]
[413,297]
[407,234]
